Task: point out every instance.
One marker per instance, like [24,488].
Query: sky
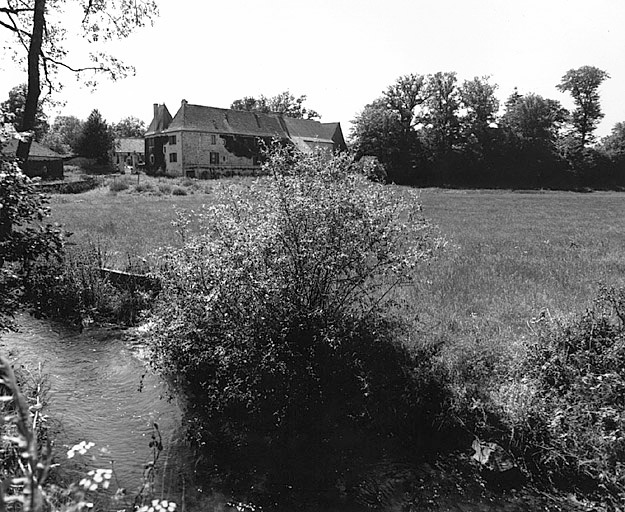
[342,54]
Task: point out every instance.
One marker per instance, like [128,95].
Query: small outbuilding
[128,154]
[42,161]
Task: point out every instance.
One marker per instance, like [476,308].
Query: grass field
[509,255]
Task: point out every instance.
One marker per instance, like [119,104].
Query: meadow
[511,258]
[509,255]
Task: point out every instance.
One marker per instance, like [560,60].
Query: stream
[101,391]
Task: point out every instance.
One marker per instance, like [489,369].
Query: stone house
[204,141]
[128,154]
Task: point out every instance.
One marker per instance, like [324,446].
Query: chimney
[155,109]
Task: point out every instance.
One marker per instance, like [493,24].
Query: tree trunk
[34,85]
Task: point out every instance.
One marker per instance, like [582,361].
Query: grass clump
[119,184]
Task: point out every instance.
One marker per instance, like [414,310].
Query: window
[213,139]
[152,159]
[173,157]
[172,140]
[164,149]
[150,143]
[214,158]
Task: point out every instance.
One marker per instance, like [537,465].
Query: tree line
[431,130]
[91,138]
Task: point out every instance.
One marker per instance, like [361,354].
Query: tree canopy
[96,140]
[283,103]
[583,84]
[40,29]
[129,127]
[14,106]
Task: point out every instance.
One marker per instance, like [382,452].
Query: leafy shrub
[24,237]
[74,288]
[179,191]
[569,409]
[275,320]
[144,187]
[164,188]
[118,185]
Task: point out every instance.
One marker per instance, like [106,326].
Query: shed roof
[37,151]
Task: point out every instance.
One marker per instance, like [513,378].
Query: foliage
[129,127]
[429,130]
[64,135]
[40,29]
[118,185]
[442,130]
[77,290]
[96,139]
[477,98]
[23,235]
[15,106]
[566,416]
[276,319]
[283,103]
[583,84]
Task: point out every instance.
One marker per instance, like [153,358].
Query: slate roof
[37,151]
[129,145]
[307,129]
[220,120]
[160,122]
[304,132]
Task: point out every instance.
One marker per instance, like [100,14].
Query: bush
[179,191]
[74,289]
[164,188]
[275,320]
[144,187]
[118,185]
[568,413]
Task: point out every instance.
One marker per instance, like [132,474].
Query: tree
[377,131]
[614,144]
[532,125]
[23,236]
[283,103]
[443,125]
[15,106]
[386,128]
[96,140]
[533,120]
[129,127]
[64,135]
[480,104]
[583,84]
[39,28]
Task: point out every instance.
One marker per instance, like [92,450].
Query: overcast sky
[343,53]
